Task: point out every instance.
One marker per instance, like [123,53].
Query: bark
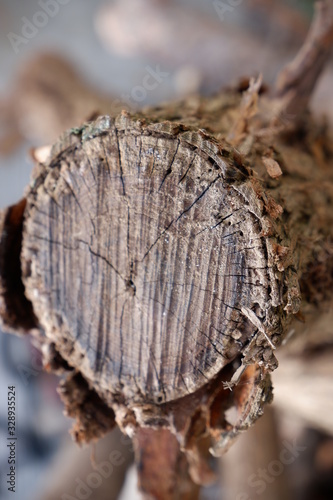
[162,267]
[163,471]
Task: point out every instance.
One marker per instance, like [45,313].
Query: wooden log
[152,197]
[110,218]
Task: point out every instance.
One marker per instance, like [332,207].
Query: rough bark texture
[15,309]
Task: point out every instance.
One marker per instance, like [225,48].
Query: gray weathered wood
[142,252]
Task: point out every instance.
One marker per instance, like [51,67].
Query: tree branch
[297,80]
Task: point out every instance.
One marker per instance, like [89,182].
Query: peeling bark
[163,471]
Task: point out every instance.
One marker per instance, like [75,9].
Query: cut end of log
[143,245]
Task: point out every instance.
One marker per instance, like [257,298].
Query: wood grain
[142,251]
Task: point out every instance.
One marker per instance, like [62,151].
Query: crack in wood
[179,217]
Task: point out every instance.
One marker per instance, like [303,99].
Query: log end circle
[142,249]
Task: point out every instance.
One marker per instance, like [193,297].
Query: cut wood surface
[162,236]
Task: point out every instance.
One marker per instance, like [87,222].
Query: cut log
[160,264]
[162,235]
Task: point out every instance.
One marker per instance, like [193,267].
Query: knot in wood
[142,249]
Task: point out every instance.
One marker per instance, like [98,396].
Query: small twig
[257,323]
[235,378]
[297,80]
[248,108]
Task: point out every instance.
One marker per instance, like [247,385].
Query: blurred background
[61,61]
